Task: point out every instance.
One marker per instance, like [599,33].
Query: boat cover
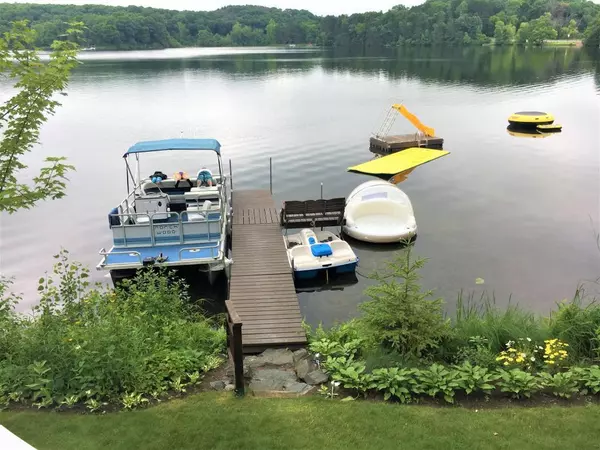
[398,162]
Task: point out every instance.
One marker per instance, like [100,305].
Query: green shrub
[438,379]
[518,383]
[396,383]
[350,373]
[577,322]
[104,345]
[477,353]
[562,384]
[400,316]
[475,379]
[588,379]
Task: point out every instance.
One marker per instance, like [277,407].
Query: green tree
[400,316]
[272,32]
[504,34]
[541,29]
[570,31]
[592,35]
[22,115]
[523,33]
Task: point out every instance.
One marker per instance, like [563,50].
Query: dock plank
[262,286]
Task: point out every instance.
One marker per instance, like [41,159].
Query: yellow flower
[499,358]
[550,362]
[523,355]
[506,363]
[512,350]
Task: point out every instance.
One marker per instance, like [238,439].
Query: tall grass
[577,322]
[482,317]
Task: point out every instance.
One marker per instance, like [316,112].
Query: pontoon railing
[151,224]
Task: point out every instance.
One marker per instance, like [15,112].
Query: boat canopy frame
[165,145]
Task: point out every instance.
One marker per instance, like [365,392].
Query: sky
[319,7]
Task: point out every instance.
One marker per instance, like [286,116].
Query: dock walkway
[262,285]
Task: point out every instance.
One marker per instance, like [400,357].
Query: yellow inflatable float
[530,119]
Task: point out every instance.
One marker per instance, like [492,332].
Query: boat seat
[320,250]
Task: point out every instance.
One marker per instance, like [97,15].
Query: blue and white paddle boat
[313,252]
[176,222]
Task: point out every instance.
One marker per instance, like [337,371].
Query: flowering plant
[555,352]
[521,354]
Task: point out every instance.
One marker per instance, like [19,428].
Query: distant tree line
[435,22]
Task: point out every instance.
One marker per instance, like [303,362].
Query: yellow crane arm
[414,120]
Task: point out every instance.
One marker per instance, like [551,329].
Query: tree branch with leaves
[36,83]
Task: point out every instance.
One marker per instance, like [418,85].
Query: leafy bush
[475,379]
[518,383]
[437,379]
[400,316]
[396,383]
[562,384]
[476,353]
[350,373]
[98,345]
[588,379]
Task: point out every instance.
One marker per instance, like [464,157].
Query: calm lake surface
[520,213]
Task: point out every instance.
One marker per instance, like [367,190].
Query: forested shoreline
[435,22]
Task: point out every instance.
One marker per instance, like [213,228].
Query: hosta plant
[475,379]
[588,379]
[562,384]
[437,379]
[518,383]
[395,383]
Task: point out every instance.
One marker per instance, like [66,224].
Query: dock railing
[234,346]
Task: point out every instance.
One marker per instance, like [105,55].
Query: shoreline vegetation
[99,349]
[435,22]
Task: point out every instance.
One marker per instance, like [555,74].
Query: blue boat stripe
[215,237]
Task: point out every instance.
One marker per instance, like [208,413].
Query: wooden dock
[262,286]
[390,144]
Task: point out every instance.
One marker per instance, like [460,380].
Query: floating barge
[382,142]
[391,144]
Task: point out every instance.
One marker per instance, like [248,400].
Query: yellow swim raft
[530,119]
[398,163]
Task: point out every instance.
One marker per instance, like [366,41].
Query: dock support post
[271,175]
[230,177]
[235,348]
[321,191]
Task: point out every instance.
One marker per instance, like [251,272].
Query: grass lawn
[220,421]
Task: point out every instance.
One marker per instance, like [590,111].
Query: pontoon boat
[177,221]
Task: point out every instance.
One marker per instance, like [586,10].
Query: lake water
[521,213]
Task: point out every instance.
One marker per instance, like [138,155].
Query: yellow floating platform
[397,163]
[530,119]
[550,127]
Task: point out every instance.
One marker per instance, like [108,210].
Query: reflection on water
[515,212]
